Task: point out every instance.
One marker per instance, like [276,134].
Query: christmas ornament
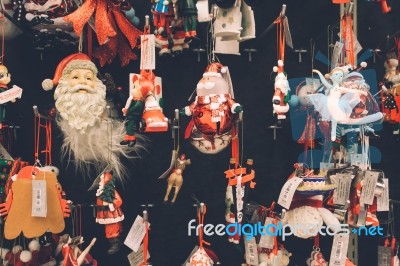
[18,209]
[109,213]
[282,92]
[213,111]
[7,95]
[81,103]
[9,30]
[176,179]
[391,90]
[187,10]
[306,207]
[72,254]
[347,92]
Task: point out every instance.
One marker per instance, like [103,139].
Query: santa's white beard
[81,110]
[89,138]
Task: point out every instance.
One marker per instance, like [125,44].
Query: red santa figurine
[282,89]
[109,211]
[212,111]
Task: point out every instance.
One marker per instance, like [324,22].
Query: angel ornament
[176,178]
[339,102]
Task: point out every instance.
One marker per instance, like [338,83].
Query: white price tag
[356,159]
[339,250]
[203,15]
[342,192]
[147,52]
[288,190]
[136,234]
[39,198]
[368,188]
[136,258]
[251,251]
[384,256]
[11,94]
[266,239]
[383,201]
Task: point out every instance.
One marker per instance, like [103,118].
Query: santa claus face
[80,99]
[209,85]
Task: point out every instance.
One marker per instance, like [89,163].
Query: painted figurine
[188,11]
[109,211]
[134,107]
[161,10]
[73,256]
[176,178]
[5,78]
[281,92]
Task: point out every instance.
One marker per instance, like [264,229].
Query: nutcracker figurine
[188,11]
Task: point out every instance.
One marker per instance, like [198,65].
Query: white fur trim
[223,70]
[25,256]
[276,98]
[187,111]
[280,63]
[234,107]
[280,109]
[275,69]
[110,220]
[281,117]
[363,64]
[212,74]
[47,84]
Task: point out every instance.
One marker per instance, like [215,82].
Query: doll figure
[109,213]
[281,93]
[176,178]
[134,107]
[391,90]
[188,11]
[5,78]
[338,105]
[161,10]
[73,256]
[214,108]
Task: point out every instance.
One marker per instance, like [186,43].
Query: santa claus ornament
[213,112]
[83,115]
[281,92]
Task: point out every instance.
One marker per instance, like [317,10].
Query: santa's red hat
[214,70]
[69,63]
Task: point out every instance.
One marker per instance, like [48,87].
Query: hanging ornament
[213,111]
[176,179]
[9,29]
[71,253]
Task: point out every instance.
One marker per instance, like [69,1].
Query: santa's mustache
[79,87]
[206,85]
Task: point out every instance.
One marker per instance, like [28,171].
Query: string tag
[339,250]
[266,239]
[384,256]
[251,251]
[136,258]
[368,188]
[203,14]
[136,234]
[288,190]
[383,201]
[147,52]
[39,198]
[342,192]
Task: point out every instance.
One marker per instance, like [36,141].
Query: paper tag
[4,154]
[356,159]
[266,239]
[136,258]
[203,15]
[136,234]
[362,216]
[342,192]
[339,250]
[11,94]
[147,52]
[368,188]
[383,201]
[39,198]
[251,251]
[336,53]
[187,261]
[288,190]
[384,256]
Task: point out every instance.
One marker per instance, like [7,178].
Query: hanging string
[3,23]
[80,44]
[200,217]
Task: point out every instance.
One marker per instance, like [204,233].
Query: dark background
[273,159]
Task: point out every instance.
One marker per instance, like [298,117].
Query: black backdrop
[169,242]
